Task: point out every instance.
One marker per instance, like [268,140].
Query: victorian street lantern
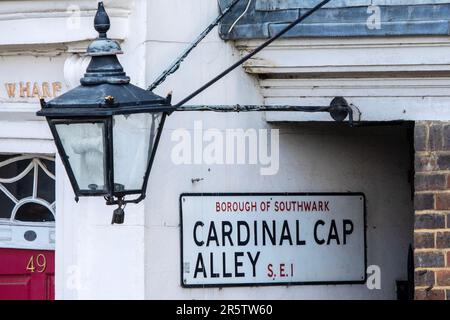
[107,130]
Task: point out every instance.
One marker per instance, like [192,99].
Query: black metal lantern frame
[113,192]
[105,96]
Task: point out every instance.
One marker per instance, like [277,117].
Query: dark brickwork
[424,278]
[430,182]
[429,259]
[424,240]
[432,206]
[429,221]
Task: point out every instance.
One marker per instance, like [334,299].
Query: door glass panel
[12,169]
[22,188]
[46,187]
[6,206]
[27,187]
[34,212]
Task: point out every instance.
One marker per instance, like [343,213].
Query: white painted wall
[141,259]
[311,160]
[95,260]
[92,259]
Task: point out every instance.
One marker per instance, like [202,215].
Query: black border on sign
[275,194]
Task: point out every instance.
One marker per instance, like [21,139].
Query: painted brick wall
[432,211]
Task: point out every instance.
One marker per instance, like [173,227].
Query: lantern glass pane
[133,142]
[84,146]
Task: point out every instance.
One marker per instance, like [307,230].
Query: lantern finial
[101,21]
[104,66]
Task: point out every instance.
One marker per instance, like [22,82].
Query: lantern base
[118,216]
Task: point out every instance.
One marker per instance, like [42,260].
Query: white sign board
[263,239]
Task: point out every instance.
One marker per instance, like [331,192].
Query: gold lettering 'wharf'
[33,90]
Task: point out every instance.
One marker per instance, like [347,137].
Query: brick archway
[432,210]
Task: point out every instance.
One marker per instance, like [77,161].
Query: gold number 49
[40,261]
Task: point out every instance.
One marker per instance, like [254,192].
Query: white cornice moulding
[43,50]
[29,7]
[390,78]
[378,99]
[53,22]
[27,146]
[345,56]
[25,129]
[25,111]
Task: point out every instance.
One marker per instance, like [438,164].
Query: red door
[27,227]
[27,274]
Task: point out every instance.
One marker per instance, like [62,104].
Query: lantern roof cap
[102,45]
[105,88]
[104,66]
[104,100]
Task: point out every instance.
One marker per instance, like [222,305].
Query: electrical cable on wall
[339,109]
[253,52]
[240,17]
[176,64]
